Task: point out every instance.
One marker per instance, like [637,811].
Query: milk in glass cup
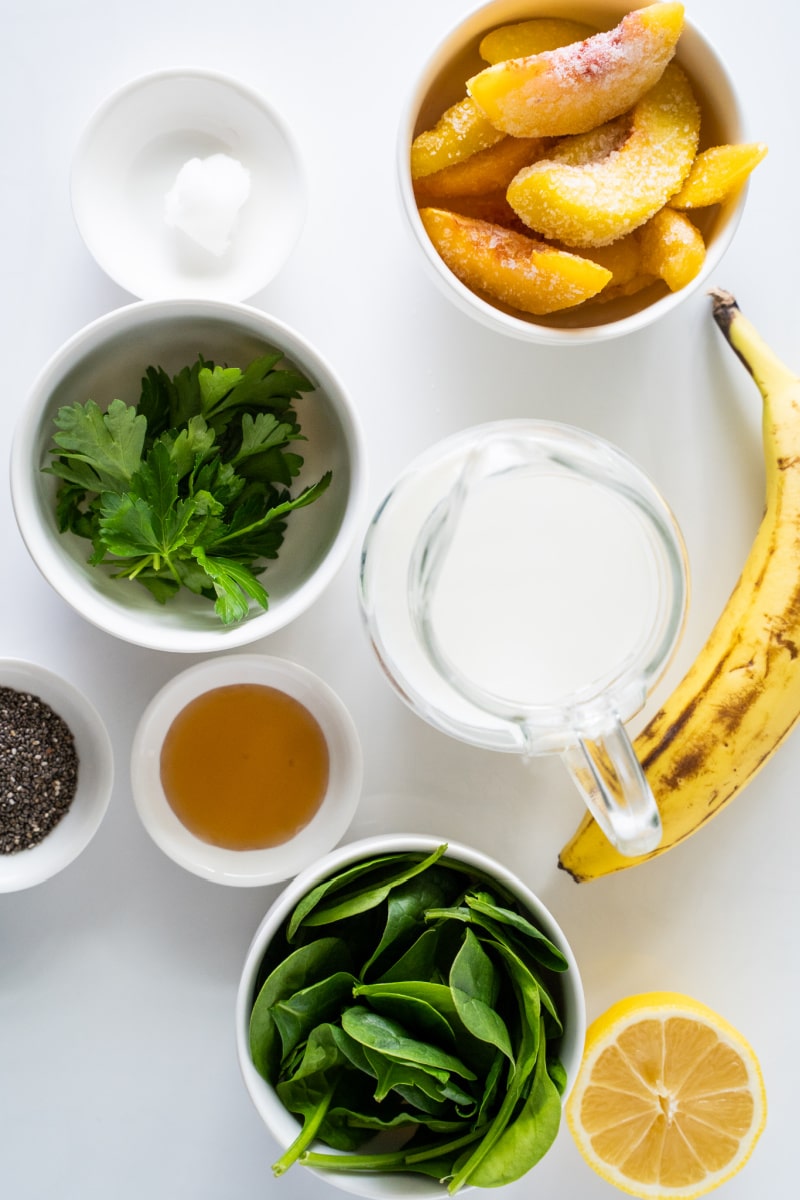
[524,586]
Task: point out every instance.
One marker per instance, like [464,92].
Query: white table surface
[118,1075]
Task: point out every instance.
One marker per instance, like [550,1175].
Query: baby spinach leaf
[405,1078]
[380,1033]
[510,948]
[474,986]
[403,1121]
[296,1015]
[300,968]
[310,1091]
[528,1137]
[492,1082]
[546,951]
[416,1014]
[557,1072]
[417,963]
[439,997]
[526,1053]
[406,906]
[337,883]
[369,897]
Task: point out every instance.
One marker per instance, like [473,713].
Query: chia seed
[38,770]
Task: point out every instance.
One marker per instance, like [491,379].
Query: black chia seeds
[38,770]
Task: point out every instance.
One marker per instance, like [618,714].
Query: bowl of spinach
[409,1020]
[188,474]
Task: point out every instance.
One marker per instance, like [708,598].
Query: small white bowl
[442,83]
[247,868]
[128,159]
[107,359]
[80,823]
[281,1123]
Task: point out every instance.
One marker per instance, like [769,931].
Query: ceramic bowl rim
[473,305]
[249,868]
[76,829]
[280,1123]
[106,108]
[54,561]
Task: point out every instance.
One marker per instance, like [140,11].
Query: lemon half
[669,1100]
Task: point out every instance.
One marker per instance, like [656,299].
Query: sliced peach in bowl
[532,37]
[489,170]
[632,298]
[592,202]
[672,248]
[462,130]
[511,267]
[717,173]
[577,87]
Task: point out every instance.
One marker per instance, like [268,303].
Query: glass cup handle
[611,780]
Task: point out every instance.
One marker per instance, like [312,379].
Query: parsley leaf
[110,443]
[189,488]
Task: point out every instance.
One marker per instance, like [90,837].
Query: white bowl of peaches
[572,171]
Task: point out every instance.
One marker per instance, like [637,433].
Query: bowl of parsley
[188,474]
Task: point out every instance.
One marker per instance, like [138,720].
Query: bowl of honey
[246,769]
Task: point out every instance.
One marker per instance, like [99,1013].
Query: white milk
[547,588]
[550,585]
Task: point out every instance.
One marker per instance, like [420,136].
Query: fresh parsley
[190,487]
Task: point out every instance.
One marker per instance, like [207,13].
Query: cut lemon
[669,1100]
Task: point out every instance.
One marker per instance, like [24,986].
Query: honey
[245,766]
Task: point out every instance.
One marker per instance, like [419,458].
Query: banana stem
[768,371]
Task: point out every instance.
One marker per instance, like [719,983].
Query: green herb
[190,487]
[409,997]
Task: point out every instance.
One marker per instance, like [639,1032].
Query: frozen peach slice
[577,87]
[672,248]
[574,197]
[510,267]
[623,290]
[460,131]
[594,146]
[532,37]
[489,206]
[717,172]
[622,258]
[489,170]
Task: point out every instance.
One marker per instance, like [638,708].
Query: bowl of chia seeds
[56,773]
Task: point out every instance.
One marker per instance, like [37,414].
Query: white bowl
[247,868]
[128,159]
[441,83]
[281,1123]
[108,359]
[80,823]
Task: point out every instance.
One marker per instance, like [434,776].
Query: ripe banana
[741,697]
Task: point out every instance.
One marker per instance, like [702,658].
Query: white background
[117,978]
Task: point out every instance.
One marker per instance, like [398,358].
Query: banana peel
[741,697]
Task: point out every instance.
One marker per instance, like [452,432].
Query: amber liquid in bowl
[245,766]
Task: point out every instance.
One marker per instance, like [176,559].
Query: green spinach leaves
[409,1003]
[190,487]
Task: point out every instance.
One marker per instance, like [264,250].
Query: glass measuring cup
[524,586]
